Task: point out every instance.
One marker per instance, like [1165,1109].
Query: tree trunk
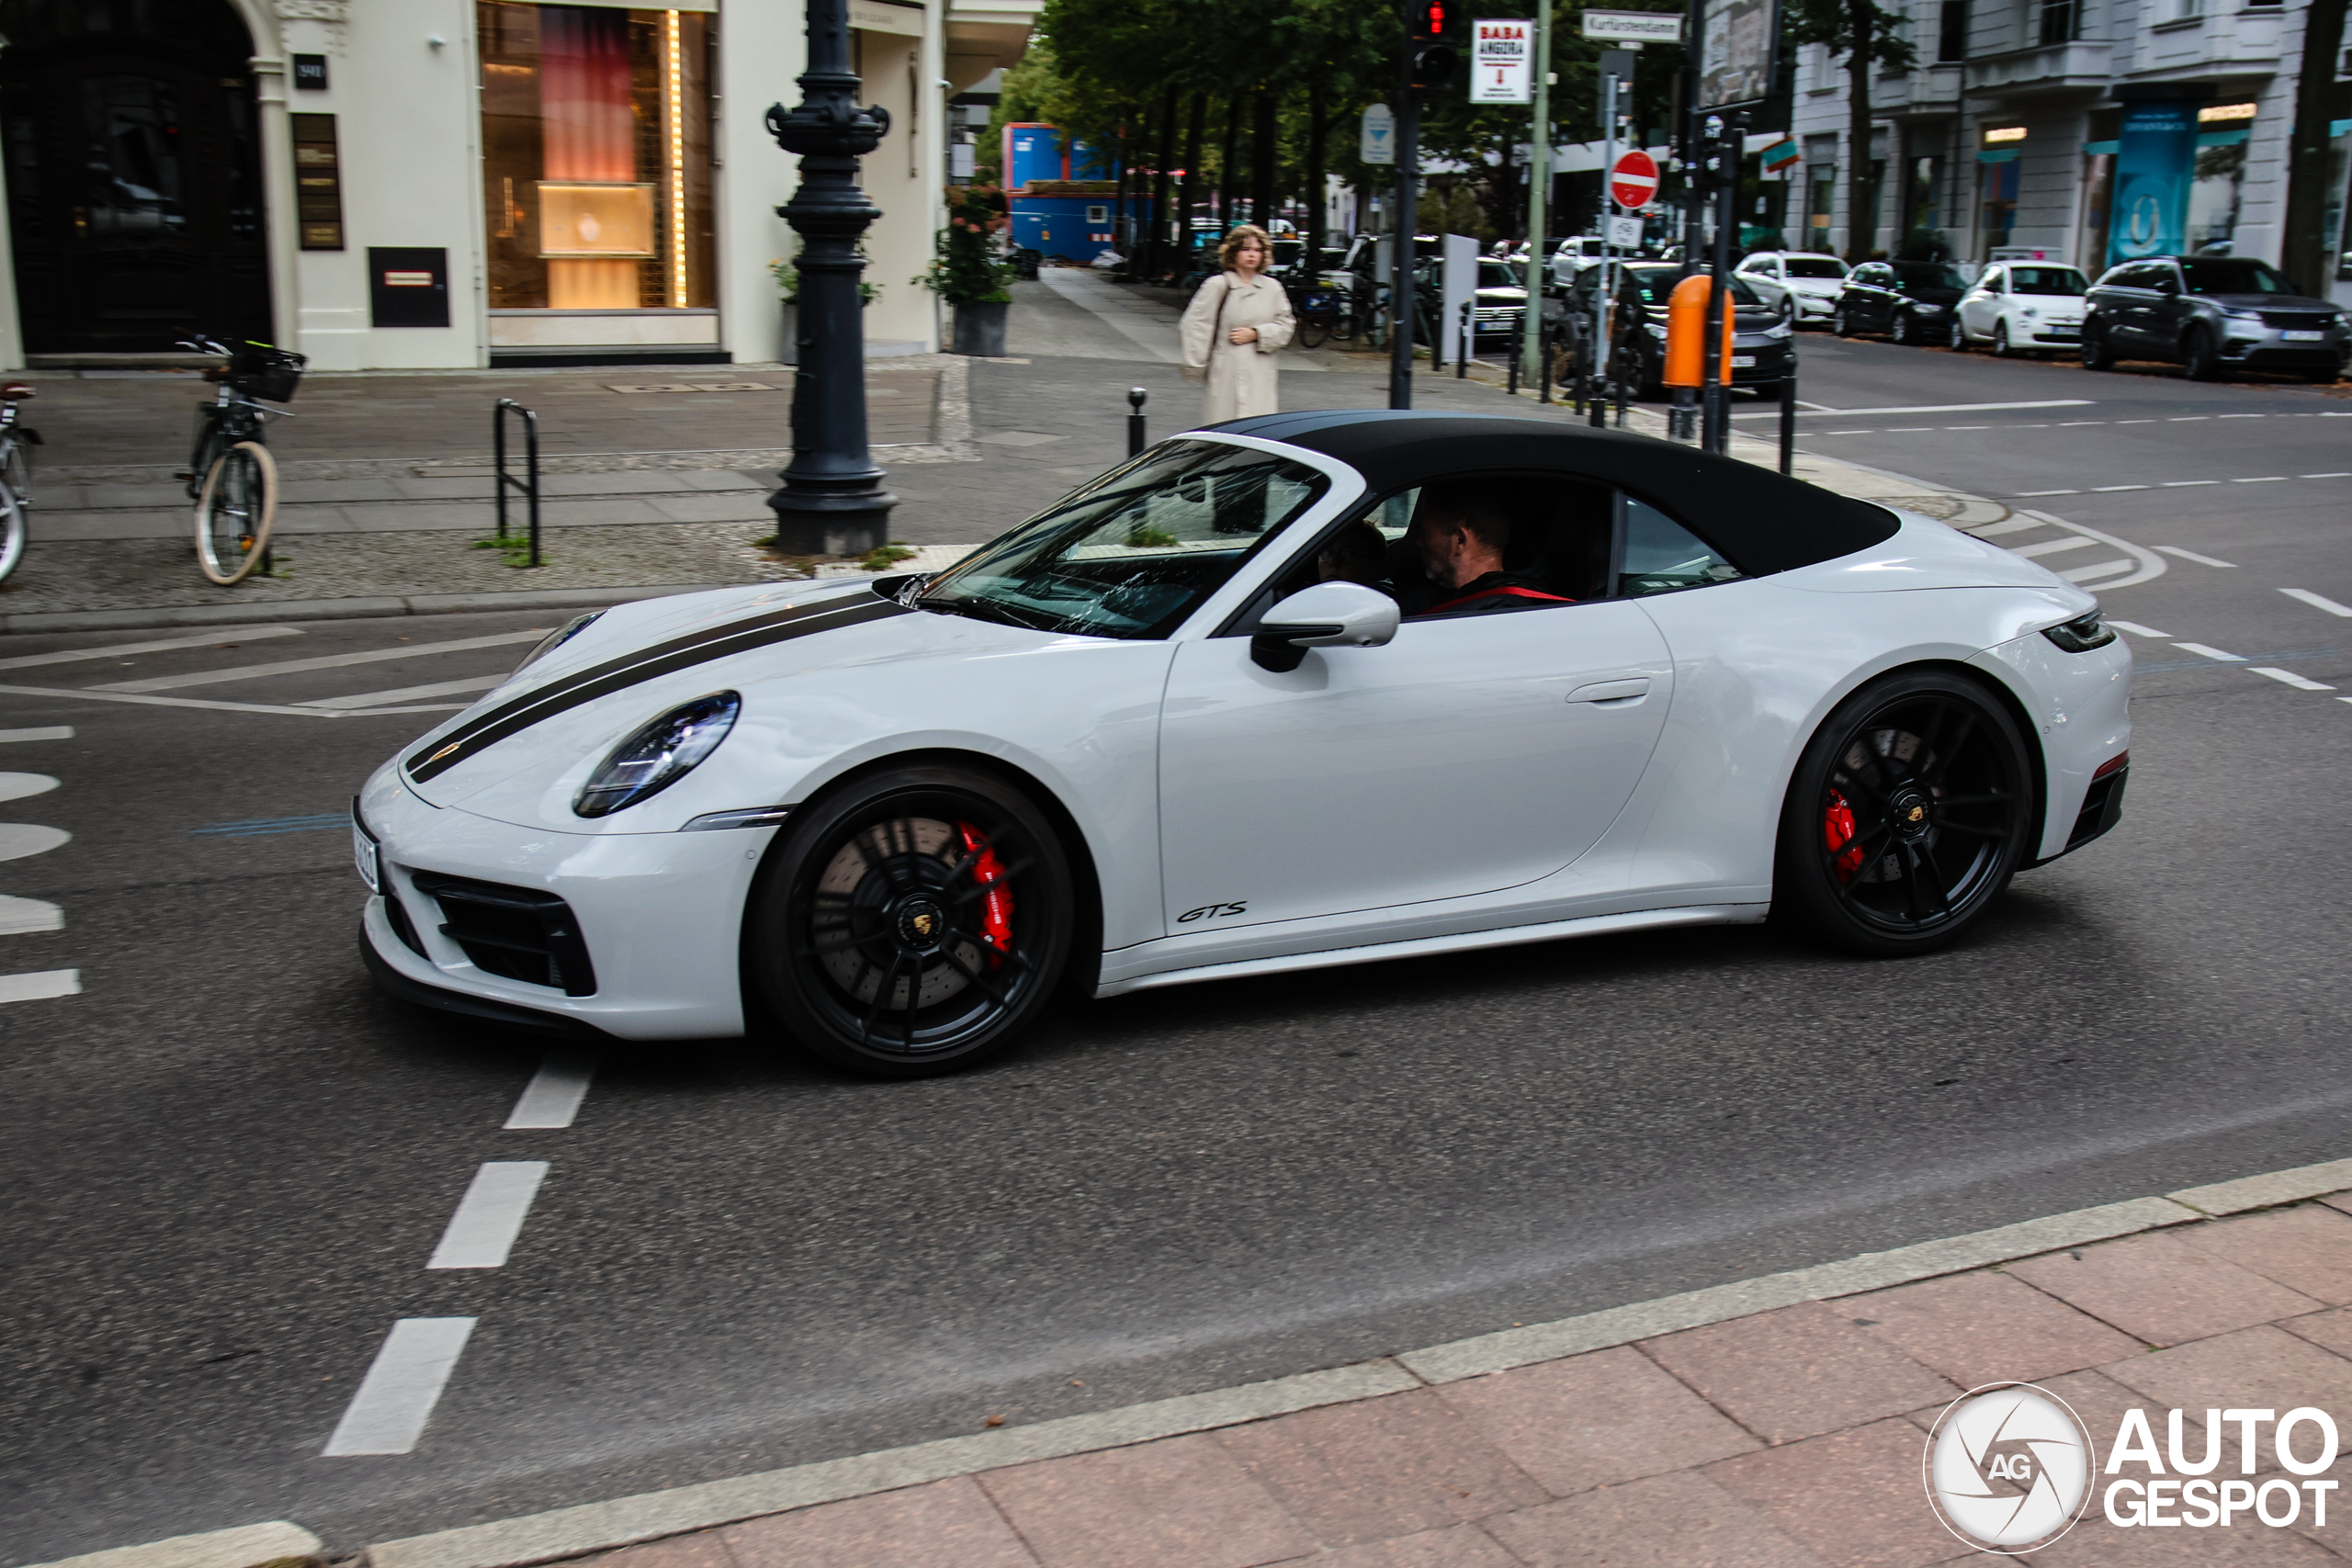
[1193,133]
[2304,255]
[1315,178]
[1861,227]
[1164,160]
[1262,136]
[1122,237]
[1228,182]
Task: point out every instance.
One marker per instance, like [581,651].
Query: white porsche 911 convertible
[1300,690]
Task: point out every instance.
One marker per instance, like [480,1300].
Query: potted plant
[787,278]
[966,271]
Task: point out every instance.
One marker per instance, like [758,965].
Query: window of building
[596,156]
[1951,32]
[2060,21]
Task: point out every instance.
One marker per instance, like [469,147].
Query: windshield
[2046,280]
[1928,274]
[1135,552]
[2231,275]
[1501,275]
[1812,266]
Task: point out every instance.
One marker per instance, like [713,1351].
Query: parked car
[2212,315]
[1909,301]
[1501,292]
[1811,280]
[1137,742]
[2021,307]
[1575,255]
[1761,339]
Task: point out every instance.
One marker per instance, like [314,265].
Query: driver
[1459,536]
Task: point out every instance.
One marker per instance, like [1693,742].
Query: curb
[276,1544]
[597,1527]
[339,609]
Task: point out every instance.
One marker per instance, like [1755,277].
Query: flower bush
[964,267]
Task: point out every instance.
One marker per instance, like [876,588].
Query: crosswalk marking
[125,650]
[406,693]
[326,661]
[2318,602]
[2052,546]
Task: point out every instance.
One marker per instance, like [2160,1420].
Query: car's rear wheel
[914,923]
[1909,812]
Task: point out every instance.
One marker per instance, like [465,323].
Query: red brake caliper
[1837,832]
[995,904]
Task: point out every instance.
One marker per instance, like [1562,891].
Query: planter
[790,335]
[979,330]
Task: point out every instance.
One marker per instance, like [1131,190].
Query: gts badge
[1214,912]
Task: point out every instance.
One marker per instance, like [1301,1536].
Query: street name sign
[1634,180]
[1378,140]
[1635,27]
[1503,55]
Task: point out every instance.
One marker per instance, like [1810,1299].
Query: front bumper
[2267,350]
[660,915]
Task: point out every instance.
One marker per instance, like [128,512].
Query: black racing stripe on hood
[632,668]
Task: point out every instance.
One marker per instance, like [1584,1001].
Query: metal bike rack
[529,485]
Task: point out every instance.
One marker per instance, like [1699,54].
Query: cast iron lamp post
[832,502]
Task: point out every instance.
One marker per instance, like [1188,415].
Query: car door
[1877,297]
[1981,306]
[2169,310]
[1474,752]
[2129,302]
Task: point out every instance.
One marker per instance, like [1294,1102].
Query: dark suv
[1761,334]
[1909,301]
[2211,314]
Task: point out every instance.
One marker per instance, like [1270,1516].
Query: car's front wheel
[1841,323]
[913,923]
[2200,360]
[2097,355]
[2002,347]
[1959,343]
[1910,810]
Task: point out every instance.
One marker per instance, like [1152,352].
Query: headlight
[1780,330]
[556,638]
[2233,313]
[2081,633]
[2032,313]
[657,755]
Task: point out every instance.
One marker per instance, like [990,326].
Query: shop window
[596,157]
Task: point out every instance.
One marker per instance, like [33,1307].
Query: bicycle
[1323,312]
[230,475]
[16,475]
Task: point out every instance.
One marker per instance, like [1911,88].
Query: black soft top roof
[1759,520]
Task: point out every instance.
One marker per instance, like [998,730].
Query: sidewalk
[1778,1422]
[655,479]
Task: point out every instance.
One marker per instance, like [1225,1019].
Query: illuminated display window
[596,157]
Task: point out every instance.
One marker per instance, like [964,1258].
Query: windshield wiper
[982,610]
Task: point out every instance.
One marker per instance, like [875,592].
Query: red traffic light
[1431,18]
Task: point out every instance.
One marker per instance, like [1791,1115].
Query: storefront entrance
[134,174]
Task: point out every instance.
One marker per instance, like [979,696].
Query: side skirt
[1509,936]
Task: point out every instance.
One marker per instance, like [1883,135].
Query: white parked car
[1574,254]
[1813,281]
[1237,707]
[2022,307]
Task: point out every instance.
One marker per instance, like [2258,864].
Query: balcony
[1921,93]
[2058,70]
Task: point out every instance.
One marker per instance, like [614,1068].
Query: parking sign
[1501,62]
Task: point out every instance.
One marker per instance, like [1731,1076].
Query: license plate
[2304,337]
[2062,332]
[363,855]
[1743,361]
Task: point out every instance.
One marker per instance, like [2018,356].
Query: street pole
[1401,269]
[1539,182]
[1725,131]
[832,502]
[1605,317]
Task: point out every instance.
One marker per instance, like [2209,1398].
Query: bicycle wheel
[12,528]
[1312,331]
[235,513]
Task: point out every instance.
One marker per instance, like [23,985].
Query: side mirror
[1329,614]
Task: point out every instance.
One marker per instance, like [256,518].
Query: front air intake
[516,934]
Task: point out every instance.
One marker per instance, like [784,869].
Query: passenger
[1355,554]
[1460,537]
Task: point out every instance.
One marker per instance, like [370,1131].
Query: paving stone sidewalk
[1791,1438]
[654,476]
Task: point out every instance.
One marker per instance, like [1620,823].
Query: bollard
[1788,421]
[1469,344]
[1136,396]
[529,485]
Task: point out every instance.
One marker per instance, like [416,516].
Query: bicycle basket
[260,371]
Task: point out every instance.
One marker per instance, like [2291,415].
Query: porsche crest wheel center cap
[1909,813]
[922,925]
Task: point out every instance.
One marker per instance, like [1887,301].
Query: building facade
[2092,130]
[426,183]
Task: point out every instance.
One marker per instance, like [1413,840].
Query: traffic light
[1429,23]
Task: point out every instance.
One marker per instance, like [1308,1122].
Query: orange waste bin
[1686,333]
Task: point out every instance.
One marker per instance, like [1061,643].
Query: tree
[1868,35]
[2310,168]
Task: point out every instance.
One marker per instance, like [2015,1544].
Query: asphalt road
[229,1159]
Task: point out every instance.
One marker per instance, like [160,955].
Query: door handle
[1612,691]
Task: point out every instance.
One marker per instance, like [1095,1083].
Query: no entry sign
[1634,180]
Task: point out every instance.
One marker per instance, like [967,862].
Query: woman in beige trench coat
[1232,328]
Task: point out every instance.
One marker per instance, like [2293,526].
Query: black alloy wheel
[1841,323]
[1910,810]
[2097,355]
[914,923]
[2200,360]
[1906,329]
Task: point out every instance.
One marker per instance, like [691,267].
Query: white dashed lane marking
[41,986]
[2318,602]
[17,786]
[2102,568]
[491,1215]
[2052,546]
[325,661]
[22,917]
[553,1096]
[2202,651]
[2136,629]
[41,732]
[2200,560]
[19,840]
[127,649]
[397,1396]
[409,693]
[2300,683]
